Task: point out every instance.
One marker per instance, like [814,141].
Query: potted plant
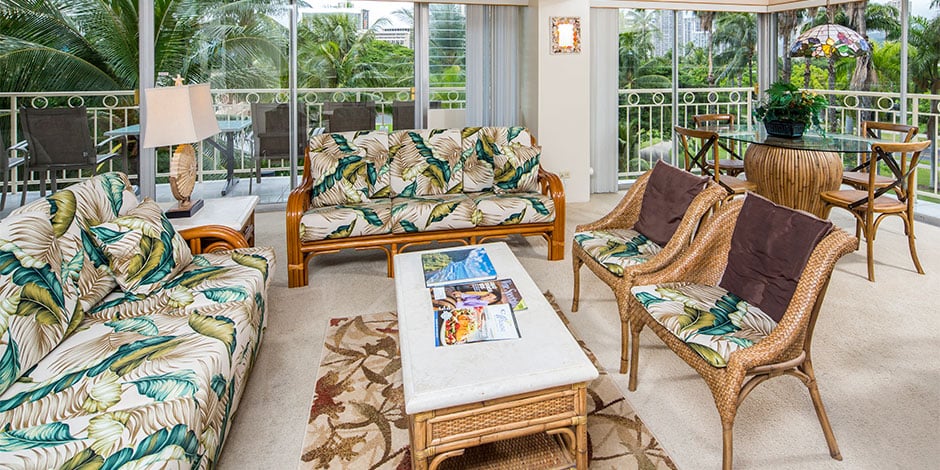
[786,110]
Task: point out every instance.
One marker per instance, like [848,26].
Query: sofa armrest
[551,186]
[210,238]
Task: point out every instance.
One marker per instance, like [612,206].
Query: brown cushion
[669,191]
[769,249]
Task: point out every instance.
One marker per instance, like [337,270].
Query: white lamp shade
[178,115]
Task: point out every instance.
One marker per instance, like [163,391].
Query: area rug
[357,419]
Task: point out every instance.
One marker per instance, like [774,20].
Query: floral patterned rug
[357,419]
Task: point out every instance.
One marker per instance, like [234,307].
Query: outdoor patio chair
[59,139]
[871,205]
[858,176]
[733,165]
[403,115]
[618,247]
[352,118]
[742,301]
[8,161]
[270,126]
[695,146]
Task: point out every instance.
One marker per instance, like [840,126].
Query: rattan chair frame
[872,205]
[857,177]
[732,166]
[625,216]
[785,351]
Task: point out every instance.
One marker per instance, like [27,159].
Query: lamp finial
[178,80]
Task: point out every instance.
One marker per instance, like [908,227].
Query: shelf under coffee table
[459,397]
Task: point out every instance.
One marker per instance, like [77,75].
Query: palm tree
[787,22]
[329,51]
[706,20]
[736,35]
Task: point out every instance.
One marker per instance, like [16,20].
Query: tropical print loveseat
[119,347]
[374,189]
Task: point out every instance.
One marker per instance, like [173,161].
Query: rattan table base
[559,414]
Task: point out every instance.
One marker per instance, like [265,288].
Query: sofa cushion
[36,303]
[143,249]
[479,145]
[669,191]
[72,211]
[616,249]
[339,178]
[769,249]
[425,162]
[710,320]
[516,169]
[346,220]
[372,145]
[427,213]
[515,208]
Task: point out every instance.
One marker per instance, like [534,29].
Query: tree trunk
[807,74]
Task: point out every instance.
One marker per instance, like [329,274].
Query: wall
[563,123]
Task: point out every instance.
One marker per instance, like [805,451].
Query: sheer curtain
[604,99]
[493,62]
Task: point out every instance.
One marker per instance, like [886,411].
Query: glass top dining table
[793,172]
[839,143]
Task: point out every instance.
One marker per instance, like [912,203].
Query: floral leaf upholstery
[72,211]
[338,178]
[142,247]
[516,168]
[515,208]
[427,213]
[346,220]
[372,145]
[479,145]
[616,249]
[36,304]
[711,320]
[135,387]
[425,162]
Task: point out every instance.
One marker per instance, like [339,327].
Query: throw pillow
[143,249]
[516,168]
[769,249]
[339,178]
[667,196]
[36,303]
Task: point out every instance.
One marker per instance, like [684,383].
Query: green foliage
[785,102]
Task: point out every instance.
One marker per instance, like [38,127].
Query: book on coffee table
[477,293]
[456,266]
[475,324]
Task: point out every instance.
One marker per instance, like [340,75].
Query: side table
[236,213]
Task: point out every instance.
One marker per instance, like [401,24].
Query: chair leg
[909,228]
[55,184]
[624,345]
[870,245]
[6,184]
[25,180]
[576,292]
[727,442]
[635,327]
[807,368]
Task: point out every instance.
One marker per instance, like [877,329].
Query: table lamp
[180,115]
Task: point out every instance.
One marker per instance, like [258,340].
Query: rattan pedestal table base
[461,398]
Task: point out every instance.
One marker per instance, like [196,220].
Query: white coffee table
[236,213]
[462,396]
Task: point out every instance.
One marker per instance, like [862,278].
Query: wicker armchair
[625,216]
[786,347]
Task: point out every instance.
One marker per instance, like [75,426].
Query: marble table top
[439,377]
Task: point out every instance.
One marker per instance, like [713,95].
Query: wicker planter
[787,129]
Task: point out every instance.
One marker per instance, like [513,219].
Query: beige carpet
[876,351]
[357,418]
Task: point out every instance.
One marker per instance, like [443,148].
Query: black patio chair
[270,125]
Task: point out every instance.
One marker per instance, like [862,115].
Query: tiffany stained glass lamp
[830,40]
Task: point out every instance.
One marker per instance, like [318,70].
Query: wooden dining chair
[734,165]
[872,205]
[858,176]
[696,145]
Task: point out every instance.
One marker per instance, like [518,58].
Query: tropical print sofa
[373,189]
[119,347]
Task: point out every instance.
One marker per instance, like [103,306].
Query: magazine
[455,266]
[478,293]
[475,324]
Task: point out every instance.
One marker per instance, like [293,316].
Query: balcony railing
[645,119]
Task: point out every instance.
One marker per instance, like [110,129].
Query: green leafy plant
[785,102]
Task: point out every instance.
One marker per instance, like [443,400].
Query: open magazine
[474,324]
